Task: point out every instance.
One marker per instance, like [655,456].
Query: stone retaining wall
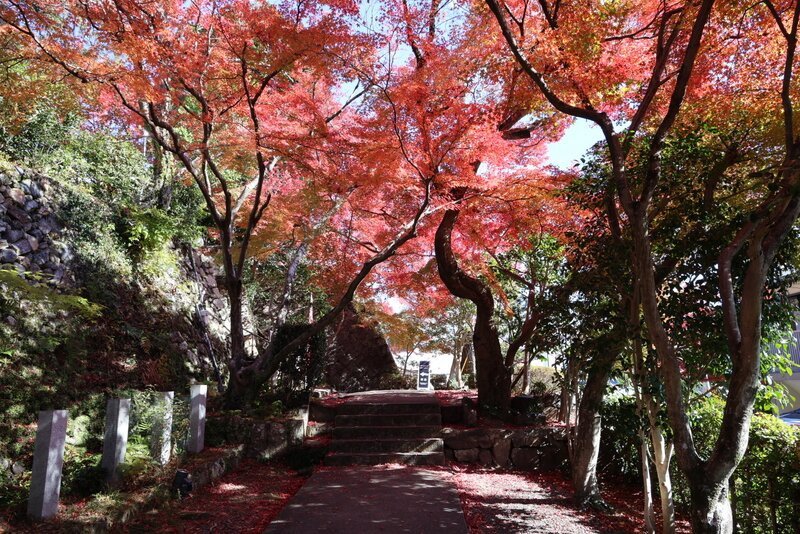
[542,448]
[261,439]
[30,233]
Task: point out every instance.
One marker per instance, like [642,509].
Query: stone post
[115,439]
[48,458]
[160,444]
[197,418]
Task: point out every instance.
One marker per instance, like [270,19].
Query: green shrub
[765,489]
[619,441]
[396,380]
[81,474]
[439,382]
[766,485]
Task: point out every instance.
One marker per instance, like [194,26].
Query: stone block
[501,451]
[14,235]
[525,457]
[485,457]
[295,431]
[24,246]
[197,418]
[277,440]
[470,412]
[8,255]
[320,412]
[459,439]
[553,456]
[17,195]
[115,438]
[18,214]
[532,437]
[48,459]
[466,455]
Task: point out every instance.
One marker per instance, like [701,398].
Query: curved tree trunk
[492,377]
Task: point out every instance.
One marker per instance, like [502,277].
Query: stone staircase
[378,433]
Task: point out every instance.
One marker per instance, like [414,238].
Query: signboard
[424,374]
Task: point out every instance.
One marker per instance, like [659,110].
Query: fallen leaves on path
[521,502]
[243,501]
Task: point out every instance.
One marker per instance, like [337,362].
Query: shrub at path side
[766,489]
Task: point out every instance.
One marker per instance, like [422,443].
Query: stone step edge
[380,427]
[387,440]
[375,458]
[425,415]
[384,453]
[406,406]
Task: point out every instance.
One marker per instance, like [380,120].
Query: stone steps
[407,419]
[388,409]
[377,458]
[387,432]
[377,433]
[387,445]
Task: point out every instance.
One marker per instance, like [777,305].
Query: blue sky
[578,138]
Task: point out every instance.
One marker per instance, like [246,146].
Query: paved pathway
[368,500]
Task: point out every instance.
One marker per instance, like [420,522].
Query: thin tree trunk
[662,456]
[647,487]
[526,370]
[473,366]
[454,366]
[647,510]
[462,358]
[646,405]
[568,394]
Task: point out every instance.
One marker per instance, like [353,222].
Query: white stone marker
[115,439]
[161,445]
[197,418]
[48,458]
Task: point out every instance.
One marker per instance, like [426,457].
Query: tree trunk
[492,377]
[454,366]
[647,509]
[463,357]
[646,405]
[586,446]
[662,454]
[472,366]
[526,370]
[239,393]
[711,509]
[568,392]
[708,479]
